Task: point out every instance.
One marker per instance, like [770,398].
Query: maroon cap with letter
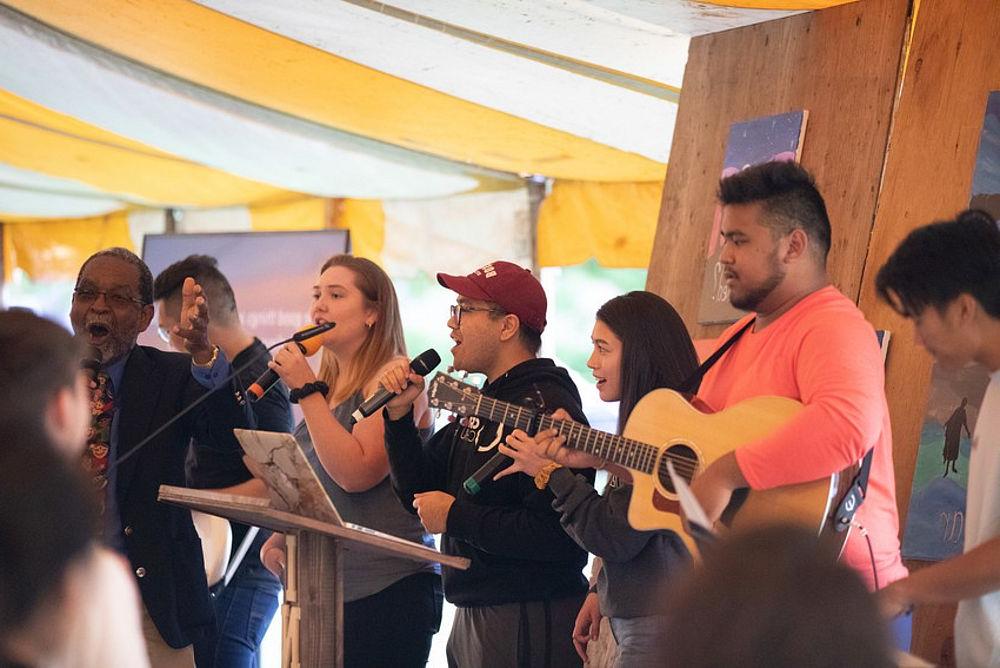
[512,288]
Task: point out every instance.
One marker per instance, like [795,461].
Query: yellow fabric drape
[211,49]
[612,222]
[44,141]
[364,219]
[55,249]
[304,213]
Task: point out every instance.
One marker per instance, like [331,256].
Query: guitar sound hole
[685,461]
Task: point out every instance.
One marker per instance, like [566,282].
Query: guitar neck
[613,448]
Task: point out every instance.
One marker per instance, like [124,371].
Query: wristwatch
[542,477]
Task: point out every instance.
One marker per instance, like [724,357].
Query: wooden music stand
[312,616]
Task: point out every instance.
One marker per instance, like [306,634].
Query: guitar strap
[854,496]
[693,382]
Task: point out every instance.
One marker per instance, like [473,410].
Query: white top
[977,625]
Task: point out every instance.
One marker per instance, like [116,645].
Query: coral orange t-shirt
[823,353]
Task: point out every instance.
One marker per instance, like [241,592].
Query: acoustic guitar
[664,426]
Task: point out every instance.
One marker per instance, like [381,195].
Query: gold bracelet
[542,477]
[211,362]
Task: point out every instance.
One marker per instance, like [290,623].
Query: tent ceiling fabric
[201,46]
[207,103]
[699,18]
[35,139]
[32,195]
[518,84]
[206,126]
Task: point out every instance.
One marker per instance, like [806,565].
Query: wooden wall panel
[951,67]
[842,65]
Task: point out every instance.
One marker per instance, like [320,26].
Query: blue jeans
[901,631]
[243,611]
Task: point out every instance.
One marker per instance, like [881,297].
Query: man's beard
[753,298]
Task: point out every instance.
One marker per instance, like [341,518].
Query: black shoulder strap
[693,382]
[866,466]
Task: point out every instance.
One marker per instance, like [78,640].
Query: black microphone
[486,472]
[422,364]
[308,342]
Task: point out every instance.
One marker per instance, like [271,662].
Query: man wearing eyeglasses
[518,600]
[138,390]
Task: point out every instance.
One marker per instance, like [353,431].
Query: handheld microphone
[486,472]
[422,364]
[308,341]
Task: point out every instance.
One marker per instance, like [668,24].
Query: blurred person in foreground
[774,597]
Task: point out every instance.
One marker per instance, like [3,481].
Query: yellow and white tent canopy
[209,103]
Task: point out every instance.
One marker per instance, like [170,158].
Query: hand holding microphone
[289,363]
[400,383]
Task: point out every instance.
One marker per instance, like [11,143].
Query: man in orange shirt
[810,343]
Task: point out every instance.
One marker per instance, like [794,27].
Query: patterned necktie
[95,459]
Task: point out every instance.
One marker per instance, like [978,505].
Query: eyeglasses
[116,299]
[457,309]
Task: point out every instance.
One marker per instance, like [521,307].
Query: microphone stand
[187,409]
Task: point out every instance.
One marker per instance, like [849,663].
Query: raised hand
[193,324]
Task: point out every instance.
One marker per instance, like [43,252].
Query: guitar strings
[642,456]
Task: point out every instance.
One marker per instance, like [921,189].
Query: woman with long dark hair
[392,606]
[640,344]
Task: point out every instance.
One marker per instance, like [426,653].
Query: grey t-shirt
[367,572]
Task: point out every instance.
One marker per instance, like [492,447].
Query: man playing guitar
[810,343]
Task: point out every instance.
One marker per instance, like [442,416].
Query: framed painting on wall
[751,142]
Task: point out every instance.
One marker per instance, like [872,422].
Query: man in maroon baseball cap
[518,600]
[512,288]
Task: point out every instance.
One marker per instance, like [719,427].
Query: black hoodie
[509,531]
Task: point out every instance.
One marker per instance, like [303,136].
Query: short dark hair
[145,275]
[656,348]
[48,519]
[205,270]
[936,263]
[774,597]
[39,358]
[788,196]
[529,337]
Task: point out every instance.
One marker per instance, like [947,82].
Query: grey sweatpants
[537,634]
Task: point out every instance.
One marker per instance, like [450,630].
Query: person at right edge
[946,278]
[518,600]
[807,342]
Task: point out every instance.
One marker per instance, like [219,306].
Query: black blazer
[160,539]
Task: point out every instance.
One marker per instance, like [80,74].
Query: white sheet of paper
[693,511]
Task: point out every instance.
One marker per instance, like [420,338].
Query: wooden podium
[312,616]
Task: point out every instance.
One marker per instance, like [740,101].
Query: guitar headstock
[452,395]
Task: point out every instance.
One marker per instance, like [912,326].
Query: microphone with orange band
[308,341]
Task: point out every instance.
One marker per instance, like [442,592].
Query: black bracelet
[309,388]
[592,589]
